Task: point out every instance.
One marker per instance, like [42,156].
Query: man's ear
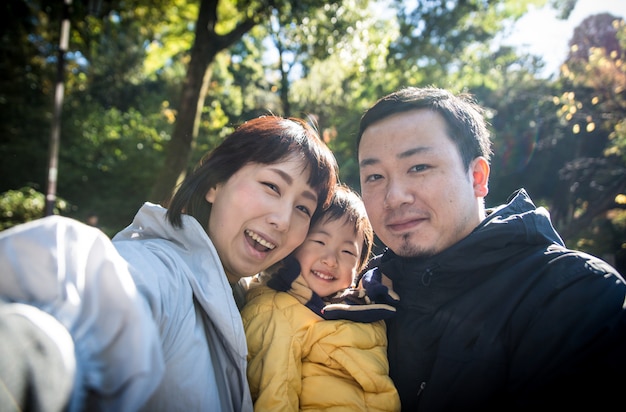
[480,175]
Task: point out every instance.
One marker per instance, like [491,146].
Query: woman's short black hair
[265,140]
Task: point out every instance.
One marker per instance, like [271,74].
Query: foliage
[593,108]
[128,85]
[525,133]
[435,37]
[24,204]
[219,25]
[109,161]
[336,102]
[25,94]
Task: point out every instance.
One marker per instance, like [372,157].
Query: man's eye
[419,168]
[372,178]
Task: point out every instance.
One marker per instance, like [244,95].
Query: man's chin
[409,249]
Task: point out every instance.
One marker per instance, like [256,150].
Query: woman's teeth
[260,240]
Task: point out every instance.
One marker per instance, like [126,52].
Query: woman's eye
[305,210]
[272,186]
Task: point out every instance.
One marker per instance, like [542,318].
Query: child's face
[329,256]
[260,215]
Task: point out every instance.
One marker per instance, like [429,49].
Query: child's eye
[316,243]
[349,252]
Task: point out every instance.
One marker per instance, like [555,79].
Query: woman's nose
[281,218]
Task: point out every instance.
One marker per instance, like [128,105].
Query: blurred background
[106,104]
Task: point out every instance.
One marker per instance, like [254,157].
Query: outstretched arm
[73,272]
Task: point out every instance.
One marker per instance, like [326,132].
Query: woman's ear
[211,195]
[480,176]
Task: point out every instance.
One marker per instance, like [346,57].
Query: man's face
[418,195]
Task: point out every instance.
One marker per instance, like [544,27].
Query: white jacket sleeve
[73,272]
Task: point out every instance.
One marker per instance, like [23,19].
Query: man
[495,312]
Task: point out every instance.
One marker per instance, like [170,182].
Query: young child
[306,351]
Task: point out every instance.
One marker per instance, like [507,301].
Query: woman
[245,207]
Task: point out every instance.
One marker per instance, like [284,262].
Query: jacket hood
[206,275]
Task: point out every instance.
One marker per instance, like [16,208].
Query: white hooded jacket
[179,273]
[71,271]
[161,332]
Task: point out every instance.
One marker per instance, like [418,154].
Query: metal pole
[55,131]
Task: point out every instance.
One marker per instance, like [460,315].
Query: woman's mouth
[258,242]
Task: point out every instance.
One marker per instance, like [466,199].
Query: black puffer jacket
[507,319]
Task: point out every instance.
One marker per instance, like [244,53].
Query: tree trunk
[206,45]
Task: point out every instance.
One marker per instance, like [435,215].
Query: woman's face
[260,215]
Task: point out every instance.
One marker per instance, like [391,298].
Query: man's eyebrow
[368,162]
[402,155]
[309,194]
[413,151]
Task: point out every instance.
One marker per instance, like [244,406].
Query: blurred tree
[129,61]
[337,48]
[26,83]
[105,73]
[436,36]
[593,106]
[118,116]
[220,25]
[24,204]
[524,129]
[323,33]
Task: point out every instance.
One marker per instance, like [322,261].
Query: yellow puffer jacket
[299,361]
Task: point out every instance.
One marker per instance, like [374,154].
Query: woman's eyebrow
[309,194]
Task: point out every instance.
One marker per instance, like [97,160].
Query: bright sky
[540,32]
